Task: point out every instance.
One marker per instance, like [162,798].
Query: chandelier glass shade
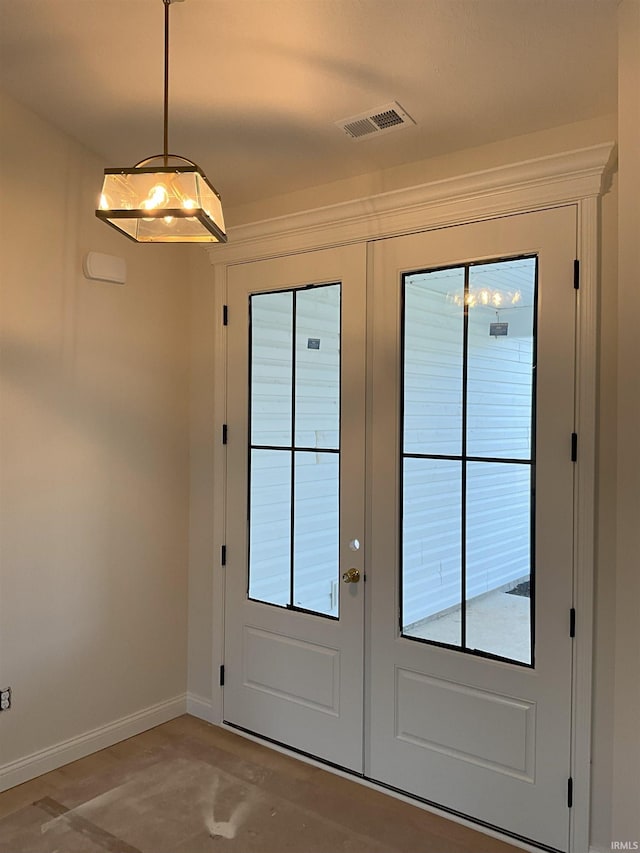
[162,204]
[169,202]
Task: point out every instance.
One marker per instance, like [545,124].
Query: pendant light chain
[165,154]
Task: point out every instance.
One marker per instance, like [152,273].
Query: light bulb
[168,219]
[105,204]
[484,297]
[497,299]
[188,204]
[158,197]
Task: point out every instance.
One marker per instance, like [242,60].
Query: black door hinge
[223,555]
[222,676]
[224,433]
[574,446]
[225,315]
[570,792]
[576,274]
[572,622]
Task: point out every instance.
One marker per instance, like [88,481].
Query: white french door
[472,493]
[449,483]
[294,634]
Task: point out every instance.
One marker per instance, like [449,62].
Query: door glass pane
[431,550]
[315,550]
[318,367]
[270,526]
[271,368]
[295,406]
[469,457]
[433,345]
[500,359]
[498,564]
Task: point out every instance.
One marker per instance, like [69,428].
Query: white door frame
[577,177]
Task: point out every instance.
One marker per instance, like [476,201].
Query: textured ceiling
[256,85]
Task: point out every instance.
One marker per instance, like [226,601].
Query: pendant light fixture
[165,198]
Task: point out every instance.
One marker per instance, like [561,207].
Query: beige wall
[204,559]
[93,453]
[626,764]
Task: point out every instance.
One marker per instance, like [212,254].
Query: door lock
[351,576]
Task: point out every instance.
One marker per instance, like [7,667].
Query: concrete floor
[188,787]
[497,623]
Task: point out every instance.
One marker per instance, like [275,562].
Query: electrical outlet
[5,698]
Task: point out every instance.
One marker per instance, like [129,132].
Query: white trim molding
[585,516]
[201,707]
[530,185]
[17,772]
[220,488]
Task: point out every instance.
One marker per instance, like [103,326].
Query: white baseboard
[23,769]
[201,708]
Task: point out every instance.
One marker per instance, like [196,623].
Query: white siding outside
[317,425]
[499,425]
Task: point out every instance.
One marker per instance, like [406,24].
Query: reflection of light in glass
[189,204]
[486,296]
[158,197]
[105,204]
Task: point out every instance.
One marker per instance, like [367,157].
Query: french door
[294,632]
[402,413]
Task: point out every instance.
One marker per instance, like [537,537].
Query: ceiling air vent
[381,120]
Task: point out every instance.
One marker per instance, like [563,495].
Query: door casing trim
[577,177]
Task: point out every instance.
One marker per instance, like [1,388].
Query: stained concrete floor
[188,787]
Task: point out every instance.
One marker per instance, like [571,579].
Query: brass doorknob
[351,576]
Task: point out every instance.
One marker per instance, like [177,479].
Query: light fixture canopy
[170,202]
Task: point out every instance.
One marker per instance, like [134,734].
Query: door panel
[295,501]
[465,710]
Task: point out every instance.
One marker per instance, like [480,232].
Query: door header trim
[518,187]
